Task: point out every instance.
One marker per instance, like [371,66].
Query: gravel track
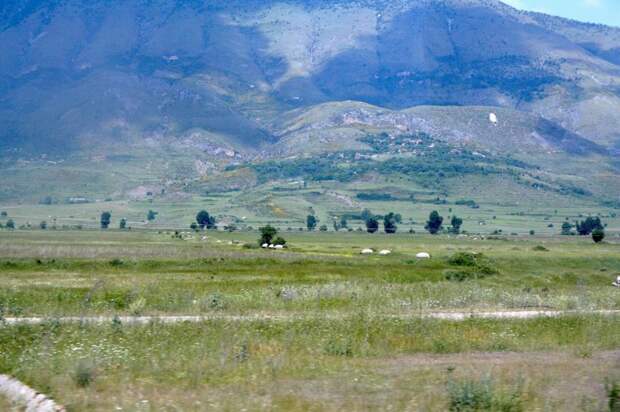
[453,316]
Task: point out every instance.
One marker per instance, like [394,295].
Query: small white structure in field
[385,252]
[617,282]
[367,252]
[272,246]
[423,255]
[279,247]
[265,245]
[493,118]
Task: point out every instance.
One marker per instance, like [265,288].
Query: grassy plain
[343,339]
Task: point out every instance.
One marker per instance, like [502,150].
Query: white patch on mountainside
[307,37]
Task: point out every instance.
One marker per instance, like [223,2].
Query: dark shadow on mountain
[566,140]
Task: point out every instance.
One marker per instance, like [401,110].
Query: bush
[613,396]
[459,275]
[540,248]
[477,267]
[481,395]
[339,348]
[214,301]
[463,259]
[84,373]
[598,235]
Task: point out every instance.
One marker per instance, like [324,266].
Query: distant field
[342,340]
[286,205]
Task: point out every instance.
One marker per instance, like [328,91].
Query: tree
[106,217]
[586,227]
[122,224]
[598,235]
[311,222]
[194,226]
[372,225]
[43,225]
[3,214]
[389,223]
[279,241]
[205,220]
[343,222]
[567,229]
[10,224]
[336,224]
[267,234]
[152,215]
[434,223]
[456,224]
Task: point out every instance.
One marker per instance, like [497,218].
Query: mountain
[210,83]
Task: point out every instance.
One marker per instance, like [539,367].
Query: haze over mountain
[225,79]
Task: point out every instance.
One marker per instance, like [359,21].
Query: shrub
[459,275]
[613,396]
[477,266]
[151,215]
[339,348]
[566,229]
[10,224]
[463,259]
[598,235]
[323,228]
[481,395]
[214,301]
[84,373]
[540,248]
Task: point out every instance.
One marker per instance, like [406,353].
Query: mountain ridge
[217,81]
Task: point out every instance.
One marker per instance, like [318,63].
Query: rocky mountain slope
[242,80]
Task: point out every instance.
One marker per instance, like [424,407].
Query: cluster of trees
[269,236]
[105,220]
[390,222]
[204,221]
[586,227]
[591,226]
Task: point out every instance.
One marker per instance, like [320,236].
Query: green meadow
[316,326]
